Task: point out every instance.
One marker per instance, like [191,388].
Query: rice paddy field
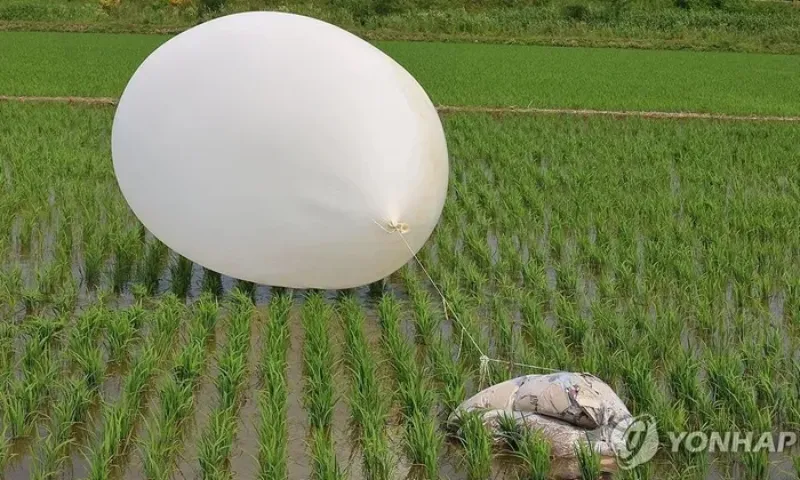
[661,255]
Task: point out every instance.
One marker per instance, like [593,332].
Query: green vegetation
[369,403]
[459,74]
[319,396]
[164,440]
[658,254]
[217,441]
[700,24]
[273,431]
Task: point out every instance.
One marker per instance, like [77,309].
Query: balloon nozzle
[398,227]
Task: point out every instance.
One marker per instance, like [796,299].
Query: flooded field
[661,256]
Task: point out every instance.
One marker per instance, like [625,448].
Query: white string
[400,229]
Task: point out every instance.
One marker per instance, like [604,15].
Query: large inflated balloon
[282,150]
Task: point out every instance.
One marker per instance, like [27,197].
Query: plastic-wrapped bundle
[567,408]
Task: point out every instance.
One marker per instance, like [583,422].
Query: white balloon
[279,149]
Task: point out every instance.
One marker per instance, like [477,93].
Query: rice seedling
[423,441]
[324,464]
[318,394]
[120,335]
[127,248]
[368,406]
[212,282]
[153,264]
[247,288]
[217,440]
[756,464]
[534,450]
[119,419]
[215,446]
[181,273]
[273,396]
[588,461]
[5,449]
[450,373]
[477,446]
[511,432]
[165,433]
[70,408]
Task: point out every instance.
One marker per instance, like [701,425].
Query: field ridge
[445,109]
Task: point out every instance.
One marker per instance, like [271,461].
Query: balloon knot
[398,227]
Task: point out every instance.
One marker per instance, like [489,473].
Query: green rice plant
[423,441]
[247,288]
[89,360]
[588,461]
[324,465]
[756,465]
[94,257]
[426,319]
[153,264]
[318,395]
[120,335]
[643,392]
[684,382]
[212,282]
[534,451]
[163,441]
[70,408]
[119,419]
[176,395]
[511,432]
[273,426]
[477,446]
[273,431]
[127,248]
[573,326]
[5,449]
[215,446]
[181,273]
[217,440]
[368,406]
[16,410]
[450,373]
[401,354]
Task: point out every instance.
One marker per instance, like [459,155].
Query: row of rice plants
[423,440]
[119,418]
[24,400]
[369,403]
[163,441]
[319,396]
[76,393]
[216,442]
[273,434]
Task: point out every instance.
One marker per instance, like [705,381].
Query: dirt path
[511,110]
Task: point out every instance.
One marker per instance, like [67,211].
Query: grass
[461,74]
[689,24]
